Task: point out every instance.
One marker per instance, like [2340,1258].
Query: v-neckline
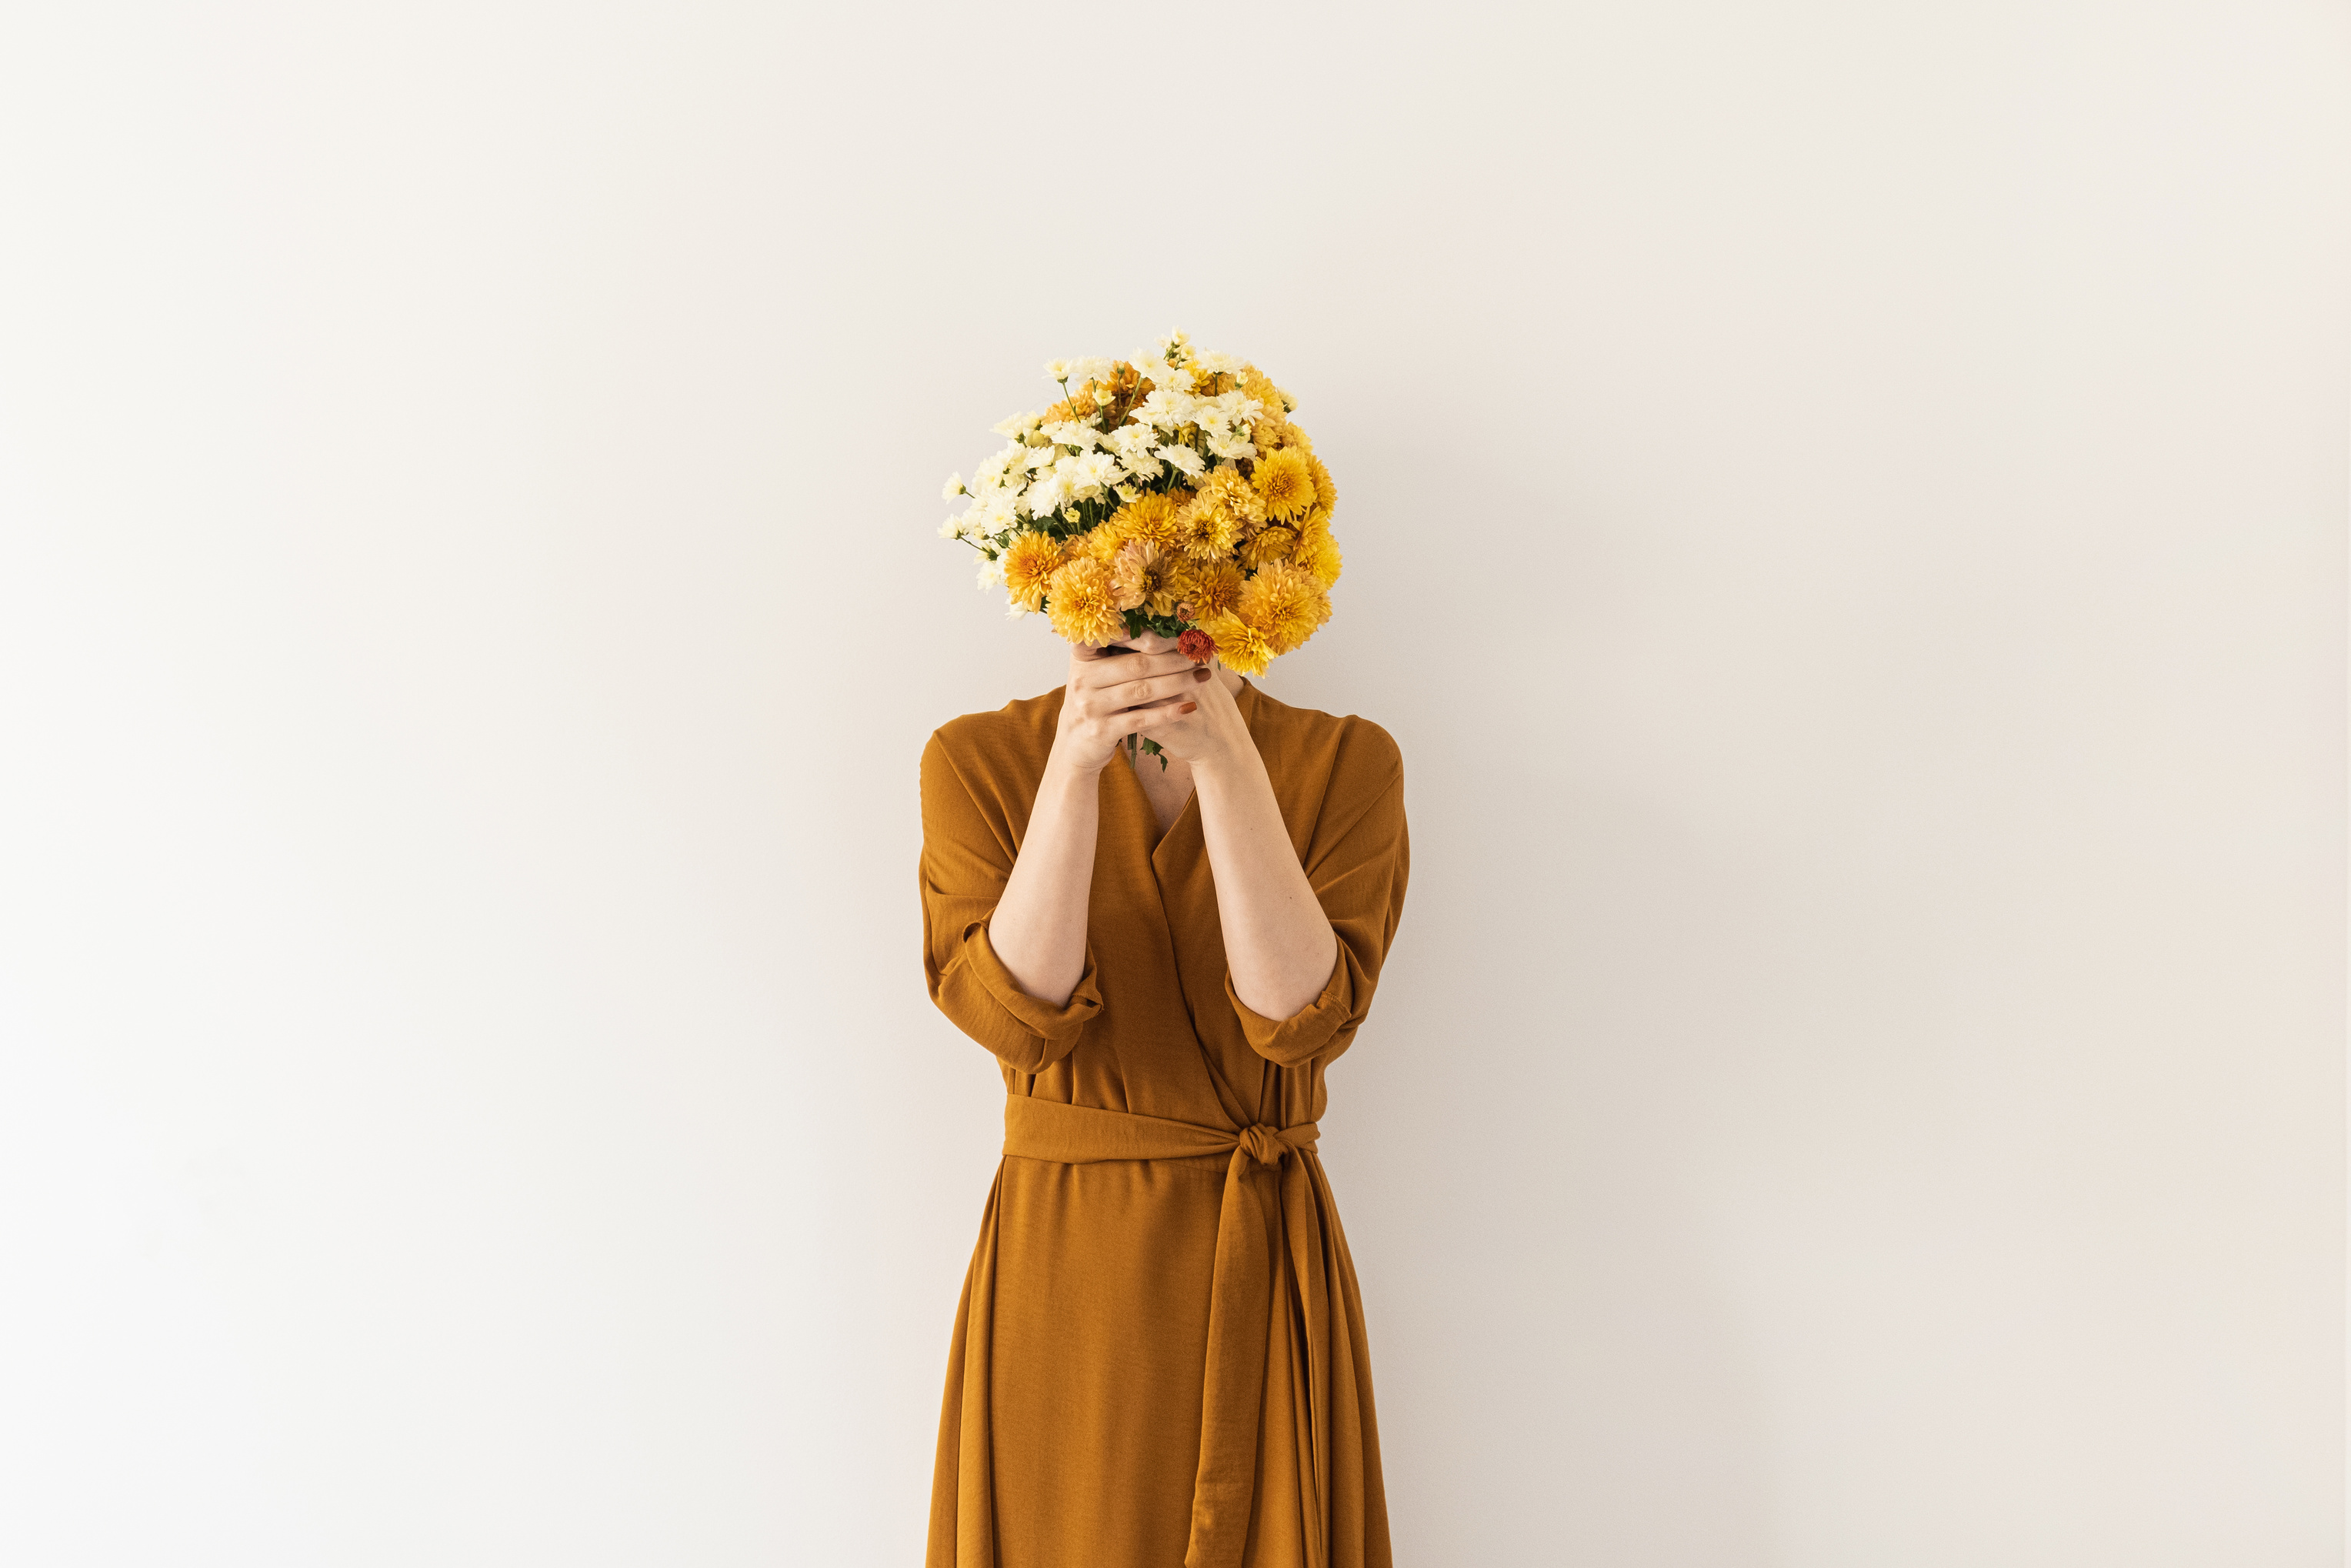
[1190,810]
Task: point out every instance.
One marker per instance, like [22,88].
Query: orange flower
[1206,589]
[1080,603]
[1032,559]
[1140,576]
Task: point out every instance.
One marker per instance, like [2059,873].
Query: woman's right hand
[1105,689]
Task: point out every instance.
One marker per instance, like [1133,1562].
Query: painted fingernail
[1188,707]
[1199,674]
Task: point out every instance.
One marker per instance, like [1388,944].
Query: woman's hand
[1208,732]
[1113,695]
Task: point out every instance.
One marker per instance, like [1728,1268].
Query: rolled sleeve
[986,1002]
[1308,1032]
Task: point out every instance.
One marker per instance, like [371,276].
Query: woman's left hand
[1211,735]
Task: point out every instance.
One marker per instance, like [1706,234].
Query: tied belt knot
[1270,1281]
[1263,1143]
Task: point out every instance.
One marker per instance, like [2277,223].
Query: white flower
[991,514]
[1161,374]
[1167,409]
[1183,460]
[1209,362]
[1057,369]
[953,489]
[1047,495]
[1230,447]
[1210,415]
[1087,475]
[1043,456]
[1089,369]
[1126,492]
[991,571]
[1015,427]
[991,474]
[1132,442]
[1070,433]
[952,528]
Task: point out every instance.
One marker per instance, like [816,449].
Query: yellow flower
[1152,519]
[1225,488]
[1141,576]
[1274,434]
[1287,484]
[1317,552]
[1207,527]
[1285,604]
[1326,490]
[1239,645]
[1206,589]
[1260,385]
[1080,605]
[1269,545]
[1100,542]
[1031,558]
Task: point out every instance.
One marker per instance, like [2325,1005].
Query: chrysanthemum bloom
[1266,545]
[1079,603]
[1206,529]
[1031,560]
[1100,542]
[1241,646]
[1195,645]
[1285,603]
[1286,484]
[1260,385]
[1326,489]
[1152,519]
[1141,578]
[1226,489]
[1206,589]
[1317,552]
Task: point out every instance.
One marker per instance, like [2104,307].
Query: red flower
[1195,644]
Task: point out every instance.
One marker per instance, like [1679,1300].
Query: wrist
[1068,759]
[1220,770]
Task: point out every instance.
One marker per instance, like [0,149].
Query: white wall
[1844,509]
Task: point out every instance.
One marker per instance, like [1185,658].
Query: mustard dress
[1159,1356]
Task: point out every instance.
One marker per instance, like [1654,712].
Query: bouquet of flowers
[1168,494]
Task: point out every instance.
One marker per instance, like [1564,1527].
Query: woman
[1159,1356]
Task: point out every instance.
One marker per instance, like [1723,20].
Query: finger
[1136,667]
[1165,717]
[1143,693]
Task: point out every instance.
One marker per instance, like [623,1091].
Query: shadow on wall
[1509,1146]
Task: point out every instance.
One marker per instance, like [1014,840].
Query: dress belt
[1256,1291]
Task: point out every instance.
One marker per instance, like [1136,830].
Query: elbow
[1315,1029]
[1024,1032]
[1016,1045]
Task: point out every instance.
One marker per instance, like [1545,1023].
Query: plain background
[1844,512]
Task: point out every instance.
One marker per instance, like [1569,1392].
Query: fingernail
[1199,674]
[1188,707]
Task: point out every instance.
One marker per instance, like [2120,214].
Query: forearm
[1278,945]
[1039,927]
